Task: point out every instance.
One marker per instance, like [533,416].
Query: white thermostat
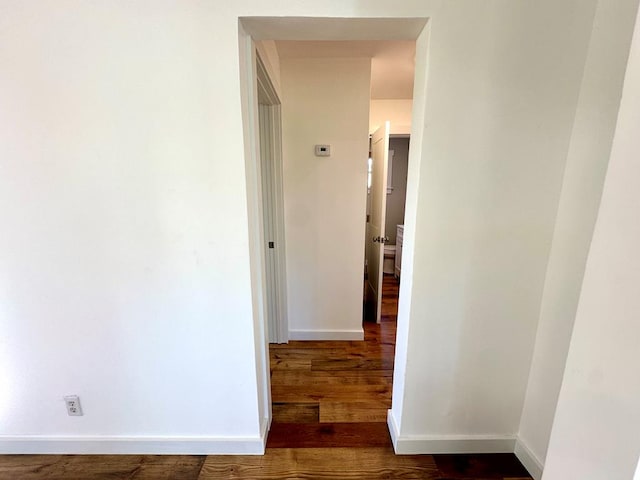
[323,150]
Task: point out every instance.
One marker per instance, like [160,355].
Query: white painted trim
[265,426]
[435,444]
[102,445]
[393,429]
[530,461]
[269,166]
[248,84]
[357,334]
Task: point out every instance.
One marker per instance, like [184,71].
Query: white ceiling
[392,61]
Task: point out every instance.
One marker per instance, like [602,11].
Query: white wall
[123,192]
[582,187]
[325,101]
[595,432]
[481,205]
[397,111]
[120,278]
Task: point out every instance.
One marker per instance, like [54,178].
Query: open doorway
[335,374]
[392,83]
[326,102]
[394,194]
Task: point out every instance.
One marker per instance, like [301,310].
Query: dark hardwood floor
[335,393]
[330,402]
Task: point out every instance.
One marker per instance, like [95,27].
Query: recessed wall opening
[337,81]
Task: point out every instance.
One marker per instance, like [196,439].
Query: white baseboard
[265,426]
[433,444]
[531,462]
[39,444]
[357,334]
[393,429]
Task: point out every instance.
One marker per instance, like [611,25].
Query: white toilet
[389,259]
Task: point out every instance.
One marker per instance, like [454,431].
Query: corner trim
[40,444]
[530,461]
[393,429]
[322,334]
[265,426]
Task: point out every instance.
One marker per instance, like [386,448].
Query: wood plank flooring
[338,392]
[329,422]
[100,467]
[361,463]
[322,463]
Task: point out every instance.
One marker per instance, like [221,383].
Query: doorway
[333,205]
[394,195]
[332,375]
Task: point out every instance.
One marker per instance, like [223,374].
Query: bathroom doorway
[394,223]
[391,240]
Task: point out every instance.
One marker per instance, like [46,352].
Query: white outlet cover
[73,405]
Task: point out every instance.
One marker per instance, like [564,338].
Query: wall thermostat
[323,150]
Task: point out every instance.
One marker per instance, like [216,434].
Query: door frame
[248,65]
[270,127]
[373,294]
[269,28]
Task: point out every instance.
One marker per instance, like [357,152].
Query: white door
[268,203]
[375,225]
[270,140]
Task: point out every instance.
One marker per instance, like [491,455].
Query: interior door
[375,225]
[268,203]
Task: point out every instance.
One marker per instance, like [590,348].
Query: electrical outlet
[73,405]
